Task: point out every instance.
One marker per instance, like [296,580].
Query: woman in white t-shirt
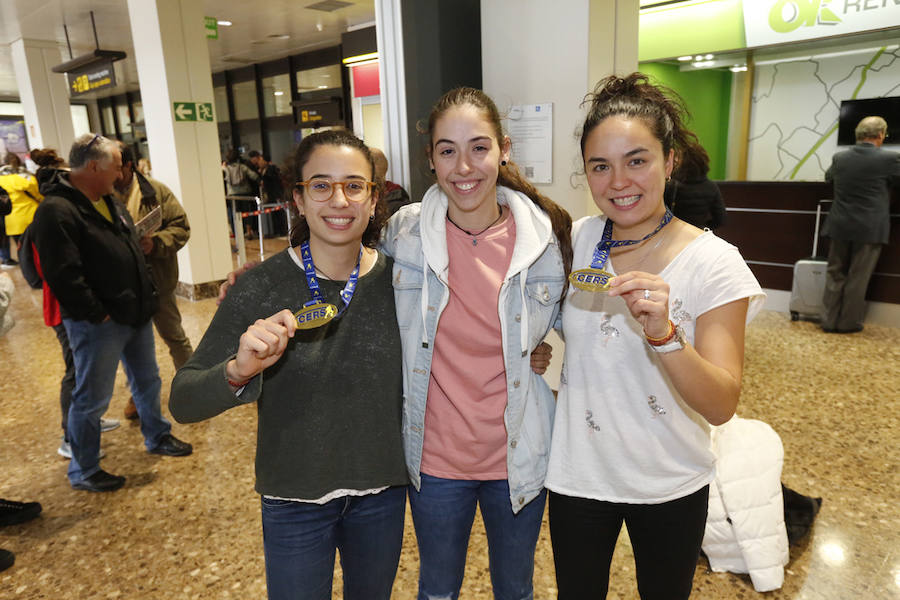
[650,365]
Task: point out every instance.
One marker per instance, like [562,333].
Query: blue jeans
[300,538]
[443,511]
[97,349]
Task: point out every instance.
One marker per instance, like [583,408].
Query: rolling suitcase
[808,287]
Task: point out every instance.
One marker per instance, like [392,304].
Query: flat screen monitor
[854,111]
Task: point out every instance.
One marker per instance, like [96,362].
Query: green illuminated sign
[788,15]
[193,111]
[185,111]
[212,27]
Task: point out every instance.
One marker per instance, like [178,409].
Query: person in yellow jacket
[141,195]
[22,188]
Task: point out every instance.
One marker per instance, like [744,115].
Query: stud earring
[502,163]
[432,170]
[372,217]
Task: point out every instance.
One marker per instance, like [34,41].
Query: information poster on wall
[530,126]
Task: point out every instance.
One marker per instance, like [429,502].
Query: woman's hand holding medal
[647,298]
[261,346]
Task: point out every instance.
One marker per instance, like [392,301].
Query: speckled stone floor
[189,527]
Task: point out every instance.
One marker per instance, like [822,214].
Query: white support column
[44,95]
[523,63]
[173,66]
[389,33]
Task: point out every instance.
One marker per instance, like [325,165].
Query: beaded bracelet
[663,340]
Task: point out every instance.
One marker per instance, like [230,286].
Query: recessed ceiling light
[685,58]
[279,36]
[224,23]
[323,87]
[279,93]
[708,57]
[738,68]
[319,27]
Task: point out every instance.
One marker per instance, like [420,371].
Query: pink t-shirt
[465,436]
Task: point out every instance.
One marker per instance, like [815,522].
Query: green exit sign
[212,27]
[193,111]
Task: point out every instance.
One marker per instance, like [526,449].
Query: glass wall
[245,103]
[277,95]
[106,120]
[123,115]
[122,118]
[220,94]
[269,107]
[80,122]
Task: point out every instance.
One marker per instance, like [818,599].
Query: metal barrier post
[237,224]
[259,226]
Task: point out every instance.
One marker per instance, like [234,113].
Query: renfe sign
[779,21]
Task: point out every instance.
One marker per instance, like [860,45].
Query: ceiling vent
[329,5]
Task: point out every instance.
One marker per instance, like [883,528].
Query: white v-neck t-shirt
[622,433]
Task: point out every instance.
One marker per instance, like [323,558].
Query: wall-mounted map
[796,103]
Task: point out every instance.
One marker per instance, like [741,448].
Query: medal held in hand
[596,279]
[591,280]
[317,312]
[314,314]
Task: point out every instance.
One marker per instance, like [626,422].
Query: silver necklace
[646,254]
[477,233]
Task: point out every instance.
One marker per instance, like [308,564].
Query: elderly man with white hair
[92,260]
[858,223]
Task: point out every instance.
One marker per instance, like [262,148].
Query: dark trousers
[850,266]
[4,241]
[67,383]
[168,324]
[665,537]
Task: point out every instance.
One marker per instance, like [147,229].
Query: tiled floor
[189,527]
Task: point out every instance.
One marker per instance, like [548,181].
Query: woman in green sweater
[326,380]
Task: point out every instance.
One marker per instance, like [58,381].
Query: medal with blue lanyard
[317,312]
[596,279]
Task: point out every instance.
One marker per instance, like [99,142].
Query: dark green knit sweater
[330,409]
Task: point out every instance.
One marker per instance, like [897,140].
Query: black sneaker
[172,446]
[7,559]
[12,513]
[101,481]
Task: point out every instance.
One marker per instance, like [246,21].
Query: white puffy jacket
[745,530]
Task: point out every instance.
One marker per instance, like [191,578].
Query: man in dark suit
[858,223]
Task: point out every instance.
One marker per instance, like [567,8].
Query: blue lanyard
[606,243]
[313,283]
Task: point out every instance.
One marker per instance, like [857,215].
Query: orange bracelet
[663,340]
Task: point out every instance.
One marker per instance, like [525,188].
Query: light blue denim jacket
[416,237]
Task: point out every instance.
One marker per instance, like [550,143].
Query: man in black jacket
[93,263]
[858,223]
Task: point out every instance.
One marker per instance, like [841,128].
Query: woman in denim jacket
[479,269]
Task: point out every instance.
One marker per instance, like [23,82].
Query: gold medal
[314,316]
[591,280]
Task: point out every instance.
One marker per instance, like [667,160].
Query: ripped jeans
[443,511]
